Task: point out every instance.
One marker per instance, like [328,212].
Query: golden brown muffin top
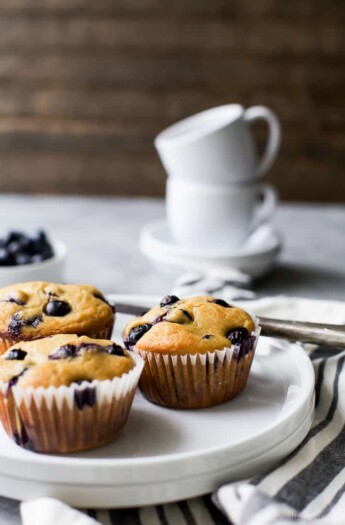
[37,309]
[194,325]
[63,360]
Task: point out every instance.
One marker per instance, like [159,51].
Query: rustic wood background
[85,85]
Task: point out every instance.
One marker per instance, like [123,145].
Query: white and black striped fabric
[307,487]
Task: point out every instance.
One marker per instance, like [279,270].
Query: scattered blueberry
[85,397]
[221,302]
[14,380]
[238,335]
[16,354]
[207,336]
[168,300]
[22,439]
[136,333]
[18,248]
[160,318]
[64,352]
[187,314]
[115,349]
[17,323]
[70,351]
[34,321]
[57,308]
[241,338]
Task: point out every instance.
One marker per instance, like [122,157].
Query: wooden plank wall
[85,85]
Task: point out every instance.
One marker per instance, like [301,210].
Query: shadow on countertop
[304,281]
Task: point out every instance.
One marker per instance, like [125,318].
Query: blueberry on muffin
[34,310]
[197,351]
[66,393]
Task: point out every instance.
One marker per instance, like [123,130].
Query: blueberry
[57,308]
[14,237]
[22,439]
[14,247]
[47,253]
[221,302]
[40,237]
[16,354]
[238,335]
[17,323]
[6,259]
[64,352]
[136,333]
[85,397]
[160,318]
[18,248]
[115,349]
[34,321]
[207,336]
[168,300]
[23,258]
[14,380]
[37,258]
[187,314]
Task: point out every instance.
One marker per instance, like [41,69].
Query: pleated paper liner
[69,418]
[197,380]
[103,333]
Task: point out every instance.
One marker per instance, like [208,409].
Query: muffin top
[63,360]
[194,325]
[37,309]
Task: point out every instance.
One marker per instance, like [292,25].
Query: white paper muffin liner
[196,380]
[50,420]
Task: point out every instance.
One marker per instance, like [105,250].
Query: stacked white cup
[215,197]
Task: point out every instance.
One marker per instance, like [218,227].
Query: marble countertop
[102,237]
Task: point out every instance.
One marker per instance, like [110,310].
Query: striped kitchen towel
[307,487]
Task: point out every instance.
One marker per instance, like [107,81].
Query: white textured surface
[102,236]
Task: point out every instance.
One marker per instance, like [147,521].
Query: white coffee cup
[216,217]
[216,146]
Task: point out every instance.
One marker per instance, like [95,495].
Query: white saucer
[165,455]
[255,257]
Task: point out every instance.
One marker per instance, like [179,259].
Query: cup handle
[274,135]
[266,208]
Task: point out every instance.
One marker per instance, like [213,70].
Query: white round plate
[255,257]
[165,455]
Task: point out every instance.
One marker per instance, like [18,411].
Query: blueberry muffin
[197,351]
[66,393]
[34,310]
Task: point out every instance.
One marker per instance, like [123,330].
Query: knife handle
[315,333]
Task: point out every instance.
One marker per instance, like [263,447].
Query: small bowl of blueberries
[30,257]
